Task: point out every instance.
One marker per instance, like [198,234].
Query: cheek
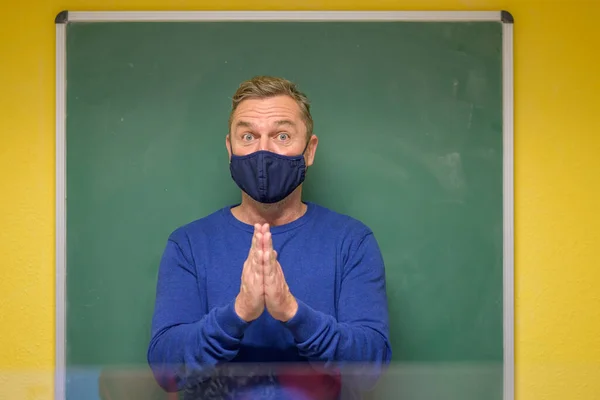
[294,149]
[243,149]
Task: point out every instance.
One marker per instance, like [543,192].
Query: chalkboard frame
[66,17]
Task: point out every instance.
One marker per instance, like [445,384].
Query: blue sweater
[334,269]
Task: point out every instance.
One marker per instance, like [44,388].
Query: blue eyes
[281,136]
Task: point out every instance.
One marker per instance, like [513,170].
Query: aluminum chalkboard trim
[160,16]
[61,215]
[508,211]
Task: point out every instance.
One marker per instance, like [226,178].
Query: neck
[283,212]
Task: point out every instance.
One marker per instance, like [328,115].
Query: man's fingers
[260,234]
[273,274]
[274,262]
[264,228]
[269,267]
[268,241]
[253,243]
[260,249]
[259,241]
[266,261]
[245,270]
[258,261]
[252,246]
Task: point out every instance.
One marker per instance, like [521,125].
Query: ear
[228,145]
[311,149]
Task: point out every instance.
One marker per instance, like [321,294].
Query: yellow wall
[557,186]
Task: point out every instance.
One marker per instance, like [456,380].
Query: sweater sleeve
[185,337]
[358,340]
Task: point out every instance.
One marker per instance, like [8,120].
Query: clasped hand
[263,283]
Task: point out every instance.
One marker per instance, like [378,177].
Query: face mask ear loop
[304,151]
[230,148]
[306,147]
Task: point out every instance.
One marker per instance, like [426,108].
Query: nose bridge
[265,142]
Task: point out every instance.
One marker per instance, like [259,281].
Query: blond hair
[262,87]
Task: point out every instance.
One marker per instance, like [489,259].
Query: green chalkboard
[410,121]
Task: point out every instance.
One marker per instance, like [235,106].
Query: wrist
[229,321]
[239,309]
[291,309]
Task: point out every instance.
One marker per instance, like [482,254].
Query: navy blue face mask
[268,177]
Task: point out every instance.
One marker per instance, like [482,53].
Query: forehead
[272,107]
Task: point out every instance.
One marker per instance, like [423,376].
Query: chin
[270,206]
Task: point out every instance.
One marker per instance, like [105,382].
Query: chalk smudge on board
[470,117]
[449,169]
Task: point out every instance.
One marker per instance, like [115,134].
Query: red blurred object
[313,384]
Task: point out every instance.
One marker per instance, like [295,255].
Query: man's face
[274,124]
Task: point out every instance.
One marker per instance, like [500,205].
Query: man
[291,293]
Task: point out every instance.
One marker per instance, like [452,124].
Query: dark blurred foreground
[410,381]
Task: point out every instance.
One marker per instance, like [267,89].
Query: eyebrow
[244,124]
[285,122]
[280,122]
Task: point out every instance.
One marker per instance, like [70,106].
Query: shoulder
[198,227]
[341,223]
[353,238]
